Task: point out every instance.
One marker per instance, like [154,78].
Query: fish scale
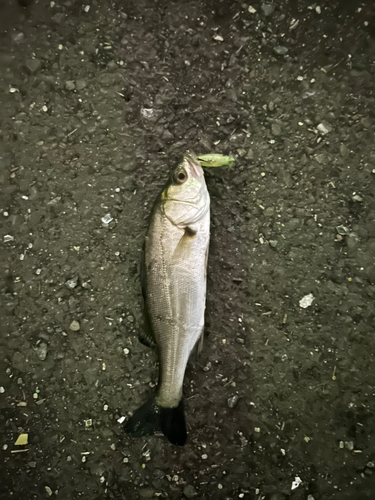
[176,297]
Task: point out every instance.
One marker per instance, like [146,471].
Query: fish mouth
[194,164]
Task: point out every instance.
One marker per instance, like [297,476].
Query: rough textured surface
[97,101]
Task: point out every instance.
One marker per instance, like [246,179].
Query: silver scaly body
[176,265]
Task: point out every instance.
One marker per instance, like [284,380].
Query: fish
[174,276]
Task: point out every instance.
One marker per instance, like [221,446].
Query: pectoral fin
[190,231]
[185,245]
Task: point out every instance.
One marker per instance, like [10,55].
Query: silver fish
[174,289]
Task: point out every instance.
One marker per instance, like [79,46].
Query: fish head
[185,198]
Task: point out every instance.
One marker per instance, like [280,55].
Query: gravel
[74,326]
[42,351]
[190,491]
[232,401]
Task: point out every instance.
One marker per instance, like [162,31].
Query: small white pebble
[220,486]
[105,407]
[349,445]
[107,219]
[84,459]
[252,11]
[5,447]
[117,190]
[45,109]
[306,301]
[263,174]
[257,429]
[48,490]
[38,271]
[87,8]
[297,481]
[102,479]
[6,214]
[323,129]
[125,460]
[204,456]
[318,10]
[257,491]
[24,197]
[2,390]
[52,4]
[60,47]
[120,420]
[300,78]
[35,395]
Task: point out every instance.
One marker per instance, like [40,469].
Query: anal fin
[146,336]
[197,349]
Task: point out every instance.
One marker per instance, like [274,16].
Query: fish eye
[180,178]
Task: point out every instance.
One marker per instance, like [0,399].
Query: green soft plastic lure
[216,160]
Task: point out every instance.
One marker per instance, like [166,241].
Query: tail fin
[150,417]
[172,424]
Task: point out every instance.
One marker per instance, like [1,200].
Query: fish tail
[173,425]
[151,417]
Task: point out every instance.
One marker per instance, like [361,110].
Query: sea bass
[174,290]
